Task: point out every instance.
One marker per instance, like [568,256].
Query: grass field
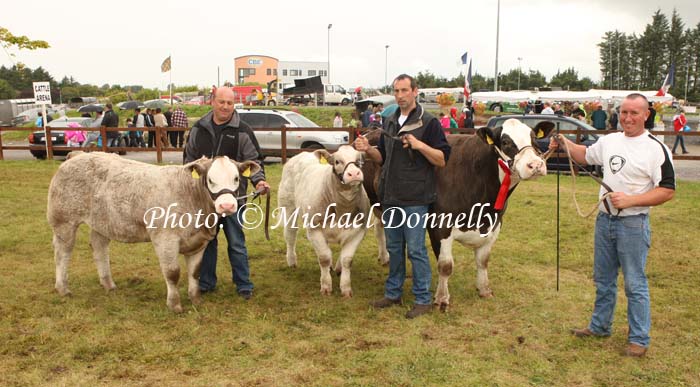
[288,334]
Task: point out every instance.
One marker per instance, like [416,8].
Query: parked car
[271,141]
[30,116]
[58,136]
[557,161]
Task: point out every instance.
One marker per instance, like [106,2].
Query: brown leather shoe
[585,332]
[635,350]
[419,310]
[385,303]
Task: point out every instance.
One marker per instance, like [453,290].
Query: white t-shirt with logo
[633,165]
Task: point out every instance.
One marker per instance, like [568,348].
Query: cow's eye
[211,183]
[337,162]
[235,180]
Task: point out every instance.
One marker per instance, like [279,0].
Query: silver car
[271,141]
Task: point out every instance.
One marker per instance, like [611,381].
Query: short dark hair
[108,106]
[401,77]
[137,109]
[158,110]
[636,96]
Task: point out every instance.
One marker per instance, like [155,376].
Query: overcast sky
[125,42]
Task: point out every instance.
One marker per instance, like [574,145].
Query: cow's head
[221,178]
[517,141]
[346,162]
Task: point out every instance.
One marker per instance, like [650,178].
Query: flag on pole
[165,67]
[468,83]
[668,81]
[464,59]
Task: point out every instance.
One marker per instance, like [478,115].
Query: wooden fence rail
[283,152]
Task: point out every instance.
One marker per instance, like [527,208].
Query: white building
[287,72]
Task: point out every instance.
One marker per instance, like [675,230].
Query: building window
[323,73]
[245,72]
[269,71]
[274,71]
[284,72]
[311,73]
[295,73]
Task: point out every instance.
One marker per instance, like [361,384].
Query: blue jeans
[679,140]
[622,242]
[237,255]
[397,240]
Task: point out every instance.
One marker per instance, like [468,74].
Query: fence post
[284,145]
[103,135]
[1,157]
[159,151]
[49,143]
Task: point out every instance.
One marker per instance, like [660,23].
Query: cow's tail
[434,242]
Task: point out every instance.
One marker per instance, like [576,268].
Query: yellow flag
[165,67]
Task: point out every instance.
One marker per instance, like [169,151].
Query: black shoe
[385,303]
[208,290]
[685,153]
[246,294]
[419,310]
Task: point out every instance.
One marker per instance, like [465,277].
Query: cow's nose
[353,175]
[227,208]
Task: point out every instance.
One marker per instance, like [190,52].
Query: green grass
[288,334]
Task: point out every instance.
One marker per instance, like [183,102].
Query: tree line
[631,61]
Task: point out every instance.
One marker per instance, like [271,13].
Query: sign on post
[42,93]
[42,96]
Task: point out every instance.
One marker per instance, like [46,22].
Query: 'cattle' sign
[42,93]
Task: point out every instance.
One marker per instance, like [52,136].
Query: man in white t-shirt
[547,108]
[638,169]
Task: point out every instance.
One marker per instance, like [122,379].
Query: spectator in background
[353,120]
[445,123]
[376,122]
[179,120]
[468,120]
[94,136]
[598,118]
[557,110]
[649,123]
[679,123]
[453,118]
[338,120]
[613,119]
[111,120]
[366,116]
[547,108]
[577,111]
[136,136]
[149,122]
[161,122]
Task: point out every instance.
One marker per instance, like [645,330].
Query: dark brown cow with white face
[468,187]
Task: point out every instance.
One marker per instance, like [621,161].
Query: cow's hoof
[196,300]
[325,291]
[347,293]
[64,292]
[443,306]
[383,261]
[292,265]
[488,293]
[176,309]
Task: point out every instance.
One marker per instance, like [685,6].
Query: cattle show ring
[88,242]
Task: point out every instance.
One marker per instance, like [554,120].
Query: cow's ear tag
[489,140]
[246,173]
[195,175]
[323,160]
[540,133]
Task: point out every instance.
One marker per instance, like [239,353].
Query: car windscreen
[300,121]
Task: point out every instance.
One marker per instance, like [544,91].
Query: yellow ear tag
[489,140]
[323,160]
[540,133]
[246,173]
[195,175]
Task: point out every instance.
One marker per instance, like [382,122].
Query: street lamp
[519,71]
[329,53]
[498,20]
[386,56]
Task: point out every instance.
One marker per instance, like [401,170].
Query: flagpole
[170,84]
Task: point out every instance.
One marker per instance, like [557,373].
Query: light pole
[519,71]
[329,53]
[386,56]
[687,73]
[498,20]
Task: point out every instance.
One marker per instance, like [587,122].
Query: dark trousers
[176,138]
[151,138]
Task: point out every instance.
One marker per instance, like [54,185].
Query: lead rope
[573,182]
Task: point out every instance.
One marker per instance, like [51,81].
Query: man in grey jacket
[222,133]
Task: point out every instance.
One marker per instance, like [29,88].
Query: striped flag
[668,81]
[468,83]
[165,67]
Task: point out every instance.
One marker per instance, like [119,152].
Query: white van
[336,95]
